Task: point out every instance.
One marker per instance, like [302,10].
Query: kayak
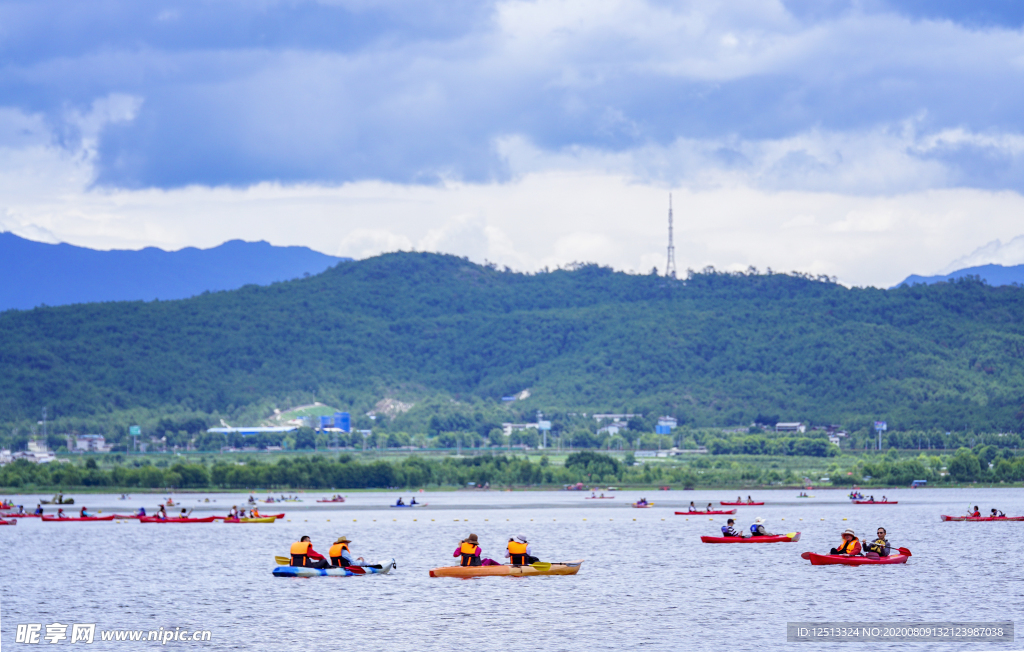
[154,519]
[235,520]
[22,515]
[599,497]
[876,502]
[127,516]
[416,505]
[977,518]
[831,560]
[561,568]
[722,502]
[304,571]
[265,519]
[639,506]
[713,511]
[778,538]
[53,519]
[4,521]
[331,501]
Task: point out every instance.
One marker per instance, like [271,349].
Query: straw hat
[850,532]
[759,521]
[343,540]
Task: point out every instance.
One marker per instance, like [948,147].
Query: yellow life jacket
[517,553]
[468,552]
[299,552]
[335,553]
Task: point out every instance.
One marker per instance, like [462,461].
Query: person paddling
[413,501]
[183,513]
[141,512]
[469,551]
[997,513]
[518,552]
[850,547]
[39,510]
[728,530]
[400,502]
[84,512]
[692,508]
[341,555]
[879,547]
[233,514]
[302,554]
[976,512]
[750,501]
[161,513]
[758,529]
[60,513]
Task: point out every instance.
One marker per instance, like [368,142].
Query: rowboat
[4,521]
[876,502]
[154,519]
[55,519]
[831,560]
[722,502]
[560,568]
[305,571]
[778,538]
[65,501]
[713,511]
[977,518]
[642,506]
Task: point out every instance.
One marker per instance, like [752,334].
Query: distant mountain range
[37,273]
[991,274]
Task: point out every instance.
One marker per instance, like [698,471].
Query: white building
[92,444]
[790,427]
[509,428]
[5,457]
[668,421]
[617,417]
[613,428]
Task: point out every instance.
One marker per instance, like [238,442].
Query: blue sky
[866,139]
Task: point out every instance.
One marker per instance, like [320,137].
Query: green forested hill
[714,349]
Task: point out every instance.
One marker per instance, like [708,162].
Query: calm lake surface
[648,582]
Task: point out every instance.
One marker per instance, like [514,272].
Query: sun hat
[521,538]
[758,521]
[850,532]
[343,540]
[470,539]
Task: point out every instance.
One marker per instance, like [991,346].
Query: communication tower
[670,266]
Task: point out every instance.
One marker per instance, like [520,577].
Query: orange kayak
[562,568]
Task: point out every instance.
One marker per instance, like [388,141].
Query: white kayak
[304,571]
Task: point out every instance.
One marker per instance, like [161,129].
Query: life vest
[300,553]
[335,554]
[877,546]
[847,546]
[753,528]
[517,553]
[468,552]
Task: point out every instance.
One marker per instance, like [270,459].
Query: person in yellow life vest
[850,547]
[879,547]
[303,555]
[469,551]
[519,553]
[341,555]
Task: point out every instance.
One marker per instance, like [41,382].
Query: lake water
[647,583]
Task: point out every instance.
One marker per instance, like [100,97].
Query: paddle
[282,561]
[542,565]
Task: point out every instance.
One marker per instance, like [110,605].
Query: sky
[862,139]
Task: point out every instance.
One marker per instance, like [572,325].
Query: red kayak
[714,511]
[331,501]
[22,515]
[778,538]
[4,521]
[54,519]
[877,502]
[154,519]
[235,520]
[722,502]
[832,560]
[982,518]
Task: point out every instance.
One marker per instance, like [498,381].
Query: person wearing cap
[729,531]
[850,547]
[341,555]
[518,552]
[469,550]
[879,547]
[758,530]
[302,554]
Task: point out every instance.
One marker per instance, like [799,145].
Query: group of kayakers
[517,550]
[401,503]
[302,554]
[749,501]
[693,508]
[757,529]
[995,513]
[851,546]
[871,499]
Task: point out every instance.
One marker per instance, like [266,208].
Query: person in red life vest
[976,512]
[469,551]
[850,547]
[341,555]
[519,553]
[303,555]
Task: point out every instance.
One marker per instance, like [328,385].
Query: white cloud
[995,252]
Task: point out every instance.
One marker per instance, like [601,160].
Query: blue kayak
[303,571]
[416,505]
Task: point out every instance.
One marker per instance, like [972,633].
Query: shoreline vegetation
[345,471]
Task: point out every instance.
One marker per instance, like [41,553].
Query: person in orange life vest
[255,513]
[850,547]
[341,555]
[303,555]
[518,552]
[469,551]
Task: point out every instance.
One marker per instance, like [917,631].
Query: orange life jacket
[335,553]
[300,553]
[848,546]
[517,553]
[468,552]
